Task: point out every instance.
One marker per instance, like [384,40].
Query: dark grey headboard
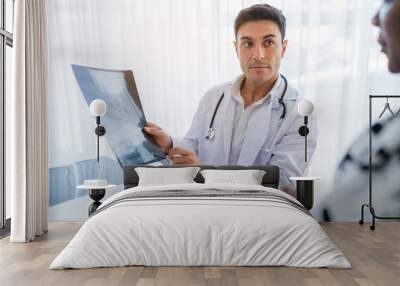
[270,179]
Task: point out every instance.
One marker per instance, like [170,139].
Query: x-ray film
[124,119]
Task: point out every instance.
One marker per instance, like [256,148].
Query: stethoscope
[211,130]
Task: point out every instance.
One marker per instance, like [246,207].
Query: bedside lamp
[305,185]
[98,108]
[305,108]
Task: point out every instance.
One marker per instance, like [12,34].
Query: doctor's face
[260,48]
[388,20]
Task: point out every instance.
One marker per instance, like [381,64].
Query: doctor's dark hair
[259,12]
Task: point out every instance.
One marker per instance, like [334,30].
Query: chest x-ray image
[124,119]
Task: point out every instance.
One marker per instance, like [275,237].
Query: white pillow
[248,177]
[163,176]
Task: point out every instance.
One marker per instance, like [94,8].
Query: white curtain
[178,49]
[27,121]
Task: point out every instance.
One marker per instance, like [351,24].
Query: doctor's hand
[162,139]
[181,156]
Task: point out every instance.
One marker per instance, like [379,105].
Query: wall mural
[124,120]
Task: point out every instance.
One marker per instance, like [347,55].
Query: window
[6,44]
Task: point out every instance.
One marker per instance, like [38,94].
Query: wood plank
[374,255]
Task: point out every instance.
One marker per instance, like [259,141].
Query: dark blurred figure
[351,179]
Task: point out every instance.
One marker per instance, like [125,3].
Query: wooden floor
[374,255]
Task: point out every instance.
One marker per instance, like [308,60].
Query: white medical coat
[268,140]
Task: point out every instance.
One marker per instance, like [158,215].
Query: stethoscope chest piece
[210,133]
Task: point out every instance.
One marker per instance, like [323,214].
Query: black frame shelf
[370,203]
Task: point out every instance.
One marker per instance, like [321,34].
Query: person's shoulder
[214,93]
[219,88]
[386,133]
[292,93]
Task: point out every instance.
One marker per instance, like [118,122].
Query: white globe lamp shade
[305,107]
[98,107]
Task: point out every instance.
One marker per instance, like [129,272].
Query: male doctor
[252,120]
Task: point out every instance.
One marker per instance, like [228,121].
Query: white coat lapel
[228,112]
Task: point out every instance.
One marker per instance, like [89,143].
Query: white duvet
[200,231]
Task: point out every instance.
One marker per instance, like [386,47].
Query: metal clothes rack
[370,205]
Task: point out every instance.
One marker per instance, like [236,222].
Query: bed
[201,224]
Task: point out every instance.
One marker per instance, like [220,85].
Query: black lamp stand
[100,131]
[303,131]
[304,185]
